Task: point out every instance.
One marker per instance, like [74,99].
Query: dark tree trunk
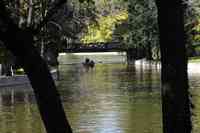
[7,64]
[149,52]
[6,69]
[175,95]
[20,43]
[131,55]
[47,97]
[51,56]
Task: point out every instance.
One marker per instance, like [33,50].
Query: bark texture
[175,94]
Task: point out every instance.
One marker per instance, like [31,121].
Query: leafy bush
[19,71]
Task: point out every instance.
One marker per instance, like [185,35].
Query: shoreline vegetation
[194,59]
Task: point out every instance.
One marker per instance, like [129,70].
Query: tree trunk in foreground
[49,103]
[20,43]
[175,95]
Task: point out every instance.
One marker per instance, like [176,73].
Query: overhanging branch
[57,4]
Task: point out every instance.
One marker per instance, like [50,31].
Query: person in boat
[87,60]
[89,63]
[92,63]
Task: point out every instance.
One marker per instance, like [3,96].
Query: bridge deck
[106,47]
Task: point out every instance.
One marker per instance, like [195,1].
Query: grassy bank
[194,59]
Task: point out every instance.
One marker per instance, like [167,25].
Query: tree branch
[57,4]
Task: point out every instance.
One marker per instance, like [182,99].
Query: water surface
[113,97]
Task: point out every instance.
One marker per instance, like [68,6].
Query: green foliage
[194,59]
[192,25]
[20,71]
[109,17]
[143,30]
[103,30]
[197,48]
[196,31]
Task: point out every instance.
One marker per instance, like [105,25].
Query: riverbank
[16,80]
[193,65]
[194,59]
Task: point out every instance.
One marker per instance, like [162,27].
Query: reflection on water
[195,91]
[111,98]
[18,111]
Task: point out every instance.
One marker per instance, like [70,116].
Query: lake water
[113,97]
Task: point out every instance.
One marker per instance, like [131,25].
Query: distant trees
[143,30]
[104,30]
[109,16]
